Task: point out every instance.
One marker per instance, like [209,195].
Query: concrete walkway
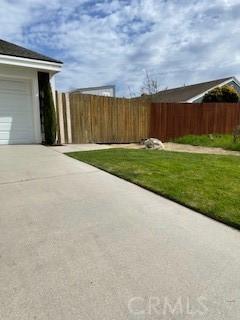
[94,146]
[79,244]
[80,147]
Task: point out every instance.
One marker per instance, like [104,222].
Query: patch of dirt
[170,146]
[177,147]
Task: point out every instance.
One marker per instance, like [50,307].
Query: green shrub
[224,141]
[49,115]
[222,94]
[236,134]
[229,94]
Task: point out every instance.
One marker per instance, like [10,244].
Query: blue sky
[114,42]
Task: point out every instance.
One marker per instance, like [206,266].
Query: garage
[16,113]
[20,107]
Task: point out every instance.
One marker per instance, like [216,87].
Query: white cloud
[105,42]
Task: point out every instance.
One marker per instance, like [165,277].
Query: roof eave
[95,88]
[31,63]
[213,87]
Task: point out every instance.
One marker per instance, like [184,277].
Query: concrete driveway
[77,244]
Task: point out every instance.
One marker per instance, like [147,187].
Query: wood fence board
[171,120]
[100,119]
[96,119]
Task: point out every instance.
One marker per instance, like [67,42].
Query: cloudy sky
[114,42]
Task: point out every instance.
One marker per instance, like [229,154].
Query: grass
[209,184]
[216,141]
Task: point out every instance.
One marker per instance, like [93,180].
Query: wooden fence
[94,119]
[170,120]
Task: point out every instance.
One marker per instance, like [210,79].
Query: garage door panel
[7,126]
[10,102]
[14,86]
[17,141]
[9,107]
[19,94]
[16,135]
[7,116]
[16,114]
[5,93]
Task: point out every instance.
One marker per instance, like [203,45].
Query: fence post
[68,118]
[60,117]
[56,113]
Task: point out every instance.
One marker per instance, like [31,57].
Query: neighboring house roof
[94,89]
[10,49]
[189,93]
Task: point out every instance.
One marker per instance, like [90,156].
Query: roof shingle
[185,93]
[10,49]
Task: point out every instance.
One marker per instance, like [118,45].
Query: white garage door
[16,114]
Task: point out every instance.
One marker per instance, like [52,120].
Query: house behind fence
[106,91]
[97,119]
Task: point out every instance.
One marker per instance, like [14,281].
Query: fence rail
[94,119]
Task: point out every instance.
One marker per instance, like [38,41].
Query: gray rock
[154,143]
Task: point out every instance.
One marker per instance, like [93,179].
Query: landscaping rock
[154,143]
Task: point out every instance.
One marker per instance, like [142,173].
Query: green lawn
[217,141]
[207,183]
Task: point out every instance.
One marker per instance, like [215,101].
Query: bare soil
[177,147]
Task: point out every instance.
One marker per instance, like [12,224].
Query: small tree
[49,115]
[214,95]
[229,94]
[150,85]
[221,94]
